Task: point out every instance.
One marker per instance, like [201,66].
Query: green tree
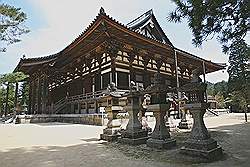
[210,88]
[221,88]
[24,93]
[226,19]
[12,77]
[11,25]
[220,100]
[239,74]
[7,87]
[236,101]
[2,95]
[220,91]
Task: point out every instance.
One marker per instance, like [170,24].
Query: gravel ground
[72,145]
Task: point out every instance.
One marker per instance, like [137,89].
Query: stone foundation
[207,149]
[160,137]
[161,144]
[200,143]
[110,135]
[134,138]
[87,119]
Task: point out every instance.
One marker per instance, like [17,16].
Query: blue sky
[54,24]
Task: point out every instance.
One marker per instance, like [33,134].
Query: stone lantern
[199,142]
[160,137]
[134,134]
[110,133]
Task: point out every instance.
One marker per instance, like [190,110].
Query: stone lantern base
[160,137]
[161,144]
[200,142]
[110,134]
[207,149]
[134,137]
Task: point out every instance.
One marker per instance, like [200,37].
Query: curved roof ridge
[42,57]
[144,16]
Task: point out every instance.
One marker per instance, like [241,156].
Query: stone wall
[88,119]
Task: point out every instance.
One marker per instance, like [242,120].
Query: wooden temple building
[106,52]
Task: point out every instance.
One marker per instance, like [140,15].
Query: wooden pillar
[72,108]
[204,77]
[46,94]
[49,97]
[79,107]
[177,81]
[39,107]
[176,70]
[16,98]
[146,77]
[96,106]
[113,76]
[189,74]
[204,71]
[42,94]
[30,97]
[33,96]
[6,100]
[158,65]
[131,69]
[98,75]
[172,67]
[183,69]
[87,107]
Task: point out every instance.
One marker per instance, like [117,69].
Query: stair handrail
[86,96]
[213,112]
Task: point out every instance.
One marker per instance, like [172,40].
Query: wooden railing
[87,96]
[59,105]
[80,98]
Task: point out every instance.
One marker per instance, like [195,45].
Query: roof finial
[24,56]
[102,11]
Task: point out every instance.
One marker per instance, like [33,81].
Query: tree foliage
[221,88]
[9,79]
[24,91]
[238,70]
[218,88]
[10,99]
[220,100]
[239,74]
[227,19]
[12,77]
[11,25]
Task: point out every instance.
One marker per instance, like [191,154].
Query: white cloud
[65,20]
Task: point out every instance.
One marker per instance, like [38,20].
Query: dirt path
[63,145]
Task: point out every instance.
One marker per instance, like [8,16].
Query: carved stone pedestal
[111,132]
[134,138]
[134,134]
[200,143]
[160,137]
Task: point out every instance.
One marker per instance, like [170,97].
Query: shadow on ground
[234,140]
